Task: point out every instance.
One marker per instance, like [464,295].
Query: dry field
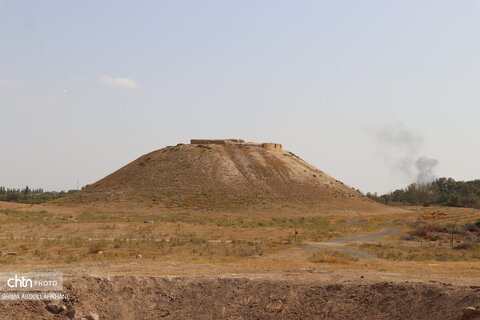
[86,240]
[199,265]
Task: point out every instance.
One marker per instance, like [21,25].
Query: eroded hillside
[212,176]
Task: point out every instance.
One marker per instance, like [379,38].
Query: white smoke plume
[400,147]
[425,167]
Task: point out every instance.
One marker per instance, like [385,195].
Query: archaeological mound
[222,174]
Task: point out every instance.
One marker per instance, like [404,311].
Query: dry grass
[69,237]
[469,252]
[97,224]
[331,256]
[182,248]
[178,242]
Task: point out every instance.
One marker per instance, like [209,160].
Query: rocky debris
[55,308]
[92,316]
[11,253]
[163,313]
[148,221]
[79,314]
[138,256]
[471,313]
[274,306]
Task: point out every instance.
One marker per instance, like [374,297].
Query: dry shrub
[431,232]
[436,231]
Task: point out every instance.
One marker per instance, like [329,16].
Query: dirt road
[342,243]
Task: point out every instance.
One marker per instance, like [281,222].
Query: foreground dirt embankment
[229,297]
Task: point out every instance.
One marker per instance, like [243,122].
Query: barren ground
[272,296]
[194,265]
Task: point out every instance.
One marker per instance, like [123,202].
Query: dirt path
[342,243]
[369,237]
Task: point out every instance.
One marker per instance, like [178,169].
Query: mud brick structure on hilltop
[265,145]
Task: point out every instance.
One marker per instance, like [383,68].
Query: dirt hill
[222,176]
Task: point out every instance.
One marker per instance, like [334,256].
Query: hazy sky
[360,89]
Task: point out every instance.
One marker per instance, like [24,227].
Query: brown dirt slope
[148,298]
[221,177]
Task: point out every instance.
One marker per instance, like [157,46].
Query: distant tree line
[443,191]
[31,196]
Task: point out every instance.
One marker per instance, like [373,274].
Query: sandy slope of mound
[222,177]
